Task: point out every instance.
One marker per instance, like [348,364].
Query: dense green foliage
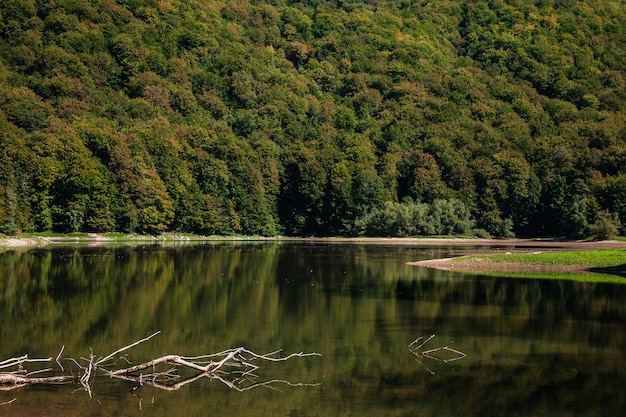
[314,117]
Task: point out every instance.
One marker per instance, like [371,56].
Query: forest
[299,118]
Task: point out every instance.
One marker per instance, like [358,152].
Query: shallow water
[534,347]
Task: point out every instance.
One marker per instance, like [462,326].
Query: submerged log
[9,381]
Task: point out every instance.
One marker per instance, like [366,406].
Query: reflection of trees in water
[106,289]
[360,310]
[77,294]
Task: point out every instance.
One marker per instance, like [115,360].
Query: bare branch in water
[120,350]
[415,348]
[216,366]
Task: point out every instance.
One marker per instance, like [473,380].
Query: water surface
[534,347]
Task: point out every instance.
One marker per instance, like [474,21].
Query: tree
[612,197]
[24,108]
[450,217]
[420,177]
[301,204]
[519,199]
[340,204]
[145,205]
[301,110]
[605,227]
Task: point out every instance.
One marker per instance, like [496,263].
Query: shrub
[606,226]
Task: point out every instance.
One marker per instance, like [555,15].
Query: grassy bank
[599,266]
[602,264]
[601,258]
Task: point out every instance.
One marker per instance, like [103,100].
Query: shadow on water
[619,270]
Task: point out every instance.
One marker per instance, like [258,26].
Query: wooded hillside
[314,117]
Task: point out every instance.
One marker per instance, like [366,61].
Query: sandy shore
[517,243]
[484,265]
[19,242]
[513,243]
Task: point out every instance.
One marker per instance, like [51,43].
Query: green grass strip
[600,258]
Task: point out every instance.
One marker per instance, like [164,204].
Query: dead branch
[415,348]
[106,358]
[233,357]
[20,361]
[11,381]
[164,382]
[217,366]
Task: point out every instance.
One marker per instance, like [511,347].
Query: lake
[501,346]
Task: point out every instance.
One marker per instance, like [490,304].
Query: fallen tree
[233,367]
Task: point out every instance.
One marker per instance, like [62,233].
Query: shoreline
[476,246]
[25,242]
[518,243]
[484,265]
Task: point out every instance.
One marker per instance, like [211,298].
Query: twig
[425,367]
[461,354]
[40,371]
[428,353]
[8,363]
[58,358]
[106,358]
[432,336]
[11,361]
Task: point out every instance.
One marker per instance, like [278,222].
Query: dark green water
[534,347]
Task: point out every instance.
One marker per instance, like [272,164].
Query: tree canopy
[313,117]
